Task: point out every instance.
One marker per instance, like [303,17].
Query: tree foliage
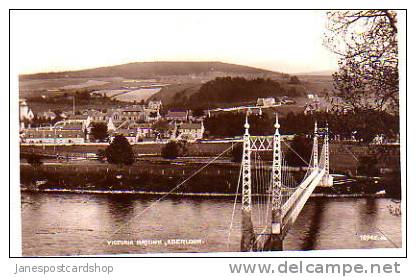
[236,89]
[366,42]
[363,124]
[99,131]
[174,149]
[300,151]
[237,153]
[232,124]
[120,151]
[367,165]
[34,160]
[294,80]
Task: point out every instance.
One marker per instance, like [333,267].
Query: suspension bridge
[272,193]
[272,198]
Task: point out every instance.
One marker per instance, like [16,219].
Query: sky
[285,41]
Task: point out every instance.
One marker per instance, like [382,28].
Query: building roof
[96,113]
[49,114]
[63,125]
[78,117]
[126,132]
[190,126]
[51,133]
[144,125]
[155,102]
[136,108]
[176,113]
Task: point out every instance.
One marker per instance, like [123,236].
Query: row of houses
[137,123]
[77,134]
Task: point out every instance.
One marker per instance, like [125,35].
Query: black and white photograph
[208,131]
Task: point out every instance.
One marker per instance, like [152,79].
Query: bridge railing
[294,205]
[292,200]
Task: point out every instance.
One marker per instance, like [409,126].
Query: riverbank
[192,194]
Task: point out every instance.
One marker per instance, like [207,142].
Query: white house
[25,113]
[155,105]
[129,134]
[52,136]
[266,102]
[48,115]
[144,130]
[191,131]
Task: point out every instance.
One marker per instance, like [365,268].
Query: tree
[300,151]
[34,160]
[198,112]
[233,89]
[366,42]
[294,80]
[120,151]
[161,127]
[99,131]
[101,153]
[173,149]
[237,153]
[367,165]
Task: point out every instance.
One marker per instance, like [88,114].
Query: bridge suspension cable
[154,203]
[280,186]
[234,208]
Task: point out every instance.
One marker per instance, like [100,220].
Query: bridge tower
[315,147]
[248,237]
[327,180]
[285,200]
[276,238]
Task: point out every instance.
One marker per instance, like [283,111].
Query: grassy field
[343,157]
[142,176]
[156,177]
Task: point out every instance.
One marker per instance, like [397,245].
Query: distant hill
[180,83]
[158,69]
[316,73]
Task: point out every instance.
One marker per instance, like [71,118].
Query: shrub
[173,149]
[120,151]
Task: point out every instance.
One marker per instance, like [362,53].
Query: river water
[83,224]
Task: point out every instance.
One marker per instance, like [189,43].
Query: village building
[192,116]
[190,131]
[155,105]
[73,124]
[49,115]
[152,115]
[129,134]
[266,102]
[98,116]
[115,115]
[145,131]
[110,125]
[52,136]
[85,119]
[25,113]
[177,115]
[135,113]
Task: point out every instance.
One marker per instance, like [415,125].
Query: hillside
[156,70]
[179,84]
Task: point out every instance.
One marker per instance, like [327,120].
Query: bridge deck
[294,205]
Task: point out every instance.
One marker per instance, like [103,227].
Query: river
[55,224]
